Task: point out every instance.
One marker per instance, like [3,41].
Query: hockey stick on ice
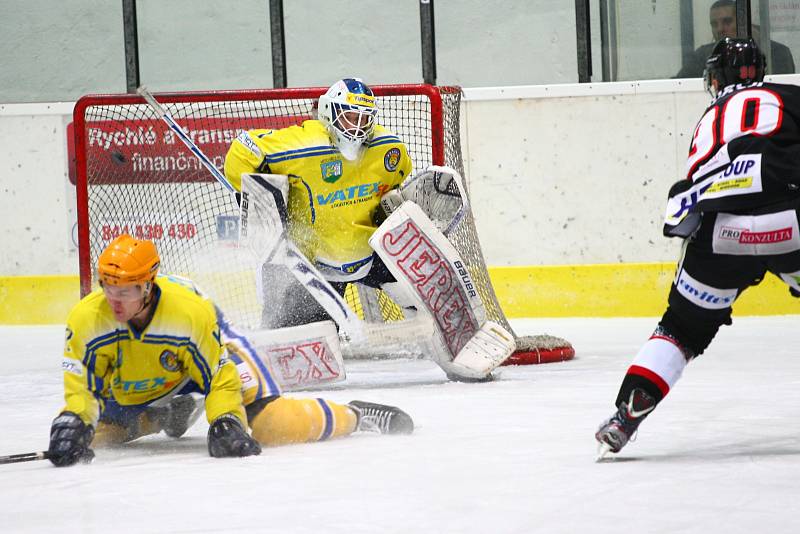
[286,253]
[24,457]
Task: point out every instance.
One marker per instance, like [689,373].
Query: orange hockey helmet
[128,261]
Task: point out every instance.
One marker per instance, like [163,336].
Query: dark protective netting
[140,179]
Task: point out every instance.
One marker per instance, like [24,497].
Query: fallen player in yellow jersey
[142,348]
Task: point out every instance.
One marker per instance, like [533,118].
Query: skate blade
[602,450]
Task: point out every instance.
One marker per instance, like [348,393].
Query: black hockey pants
[728,254]
[288,303]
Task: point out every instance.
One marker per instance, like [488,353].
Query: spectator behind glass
[722,17]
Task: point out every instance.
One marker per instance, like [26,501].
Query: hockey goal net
[134,176]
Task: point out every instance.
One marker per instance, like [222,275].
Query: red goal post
[133,175]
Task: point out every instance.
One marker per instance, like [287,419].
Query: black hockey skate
[180,414]
[618,430]
[381,418]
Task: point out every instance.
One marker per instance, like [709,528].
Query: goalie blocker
[431,275]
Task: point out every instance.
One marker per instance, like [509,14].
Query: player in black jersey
[737,210]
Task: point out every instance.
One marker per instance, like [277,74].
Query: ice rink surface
[721,454]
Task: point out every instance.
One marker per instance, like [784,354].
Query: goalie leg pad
[430,271]
[284,421]
[488,348]
[265,235]
[287,302]
[286,359]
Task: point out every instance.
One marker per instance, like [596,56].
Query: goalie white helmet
[348,111]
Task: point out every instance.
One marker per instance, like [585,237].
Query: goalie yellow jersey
[331,199]
[182,343]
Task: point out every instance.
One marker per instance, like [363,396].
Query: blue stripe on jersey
[221,320]
[235,358]
[328,430]
[90,356]
[382,141]
[329,152]
[310,201]
[106,339]
[88,362]
[197,358]
[98,383]
[202,364]
[90,380]
[382,137]
[251,352]
[300,150]
[300,153]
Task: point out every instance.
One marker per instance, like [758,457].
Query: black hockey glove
[69,440]
[227,437]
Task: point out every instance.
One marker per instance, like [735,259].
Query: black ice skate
[381,418]
[618,430]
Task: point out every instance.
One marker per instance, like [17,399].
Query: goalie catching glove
[438,191]
[227,437]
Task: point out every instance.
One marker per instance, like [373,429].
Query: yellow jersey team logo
[331,170]
[169,361]
[392,159]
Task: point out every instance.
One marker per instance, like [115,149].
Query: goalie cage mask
[348,111]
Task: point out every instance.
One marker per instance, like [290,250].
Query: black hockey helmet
[734,60]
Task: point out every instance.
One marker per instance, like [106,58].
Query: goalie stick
[280,249]
[285,252]
[263,233]
[529,349]
[361,336]
[165,116]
